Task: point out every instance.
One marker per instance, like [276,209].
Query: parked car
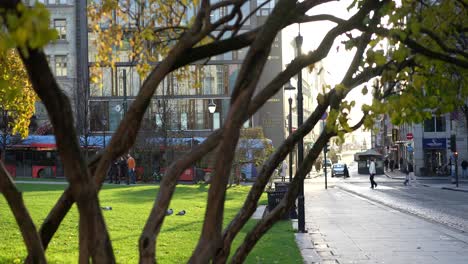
[338,169]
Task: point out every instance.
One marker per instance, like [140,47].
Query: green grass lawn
[130,209]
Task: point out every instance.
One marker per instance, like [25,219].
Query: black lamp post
[104,123]
[212,109]
[124,80]
[300,144]
[289,88]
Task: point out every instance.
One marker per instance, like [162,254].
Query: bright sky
[338,59]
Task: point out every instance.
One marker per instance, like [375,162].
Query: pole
[124,79]
[456,169]
[325,163]
[300,144]
[290,132]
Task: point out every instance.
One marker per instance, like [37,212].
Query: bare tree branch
[288,200]
[243,90]
[94,239]
[323,17]
[333,99]
[23,219]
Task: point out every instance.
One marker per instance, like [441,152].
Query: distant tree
[421,46]
[17,99]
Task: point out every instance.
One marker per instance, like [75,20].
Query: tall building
[428,145]
[178,106]
[62,53]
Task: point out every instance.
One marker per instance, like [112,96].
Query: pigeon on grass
[181,212]
[169,212]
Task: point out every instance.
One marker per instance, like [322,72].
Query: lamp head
[289,89]
[211,107]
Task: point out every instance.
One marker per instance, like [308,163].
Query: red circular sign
[409,136]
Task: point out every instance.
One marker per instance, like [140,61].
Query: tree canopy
[415,49]
[17,97]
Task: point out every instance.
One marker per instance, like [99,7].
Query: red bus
[36,156]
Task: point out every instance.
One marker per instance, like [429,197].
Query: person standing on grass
[283,170]
[123,168]
[131,168]
[114,173]
[372,173]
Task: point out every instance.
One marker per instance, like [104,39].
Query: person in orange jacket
[131,168]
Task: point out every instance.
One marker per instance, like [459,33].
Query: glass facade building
[178,104]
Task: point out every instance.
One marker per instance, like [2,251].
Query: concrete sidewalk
[425,181]
[346,228]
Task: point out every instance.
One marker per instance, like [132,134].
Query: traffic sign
[409,136]
[409,148]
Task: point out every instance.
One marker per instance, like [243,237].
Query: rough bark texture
[94,239]
[268,167]
[26,225]
[250,203]
[210,239]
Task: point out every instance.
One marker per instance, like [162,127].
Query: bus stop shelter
[363,160]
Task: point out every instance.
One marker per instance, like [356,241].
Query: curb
[454,189]
[306,247]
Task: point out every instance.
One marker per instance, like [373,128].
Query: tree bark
[257,189]
[244,88]
[265,224]
[22,217]
[94,239]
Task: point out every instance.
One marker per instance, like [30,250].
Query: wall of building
[61,10]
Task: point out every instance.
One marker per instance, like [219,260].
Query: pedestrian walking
[409,173]
[372,172]
[131,169]
[283,170]
[464,166]
[392,164]
[386,164]
[345,171]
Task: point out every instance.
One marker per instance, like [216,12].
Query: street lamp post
[124,80]
[300,144]
[104,122]
[289,88]
[212,109]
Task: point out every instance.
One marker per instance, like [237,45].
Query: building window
[61,26]
[98,116]
[61,65]
[435,124]
[266,7]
